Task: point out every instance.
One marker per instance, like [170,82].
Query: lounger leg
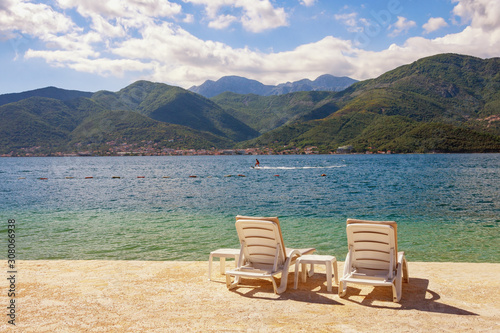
[406,274]
[399,288]
[342,288]
[284,278]
[234,284]
[283,284]
[397,284]
[347,269]
[402,262]
[228,281]
[275,287]
[236,260]
[396,291]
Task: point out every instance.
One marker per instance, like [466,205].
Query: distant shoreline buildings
[132,150]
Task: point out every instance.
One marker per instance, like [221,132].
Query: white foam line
[304,167]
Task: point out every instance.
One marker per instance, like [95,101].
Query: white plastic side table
[222,254]
[328,261]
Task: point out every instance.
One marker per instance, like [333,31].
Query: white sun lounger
[263,253]
[373,257]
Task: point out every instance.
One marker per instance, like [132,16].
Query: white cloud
[262,16]
[255,16]
[67,45]
[110,67]
[189,18]
[74,42]
[32,19]
[113,18]
[160,50]
[122,8]
[350,20]
[182,58]
[107,28]
[434,23]
[480,39]
[222,22]
[484,14]
[359,25]
[307,3]
[401,25]
[176,53]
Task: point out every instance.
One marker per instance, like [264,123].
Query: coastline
[235,152]
[175,296]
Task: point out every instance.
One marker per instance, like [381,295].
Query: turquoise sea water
[447,206]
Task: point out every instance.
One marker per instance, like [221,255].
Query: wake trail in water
[297,168]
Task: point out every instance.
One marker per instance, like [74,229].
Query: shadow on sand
[416,295]
[263,289]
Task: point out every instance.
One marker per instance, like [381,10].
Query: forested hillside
[443,103]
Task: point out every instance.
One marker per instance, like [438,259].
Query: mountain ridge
[445,96]
[175,105]
[242,85]
[50,92]
[443,103]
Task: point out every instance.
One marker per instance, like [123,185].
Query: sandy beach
[174,296]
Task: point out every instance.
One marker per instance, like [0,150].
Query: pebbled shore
[174,296]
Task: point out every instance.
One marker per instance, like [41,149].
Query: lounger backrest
[265,218]
[393,224]
[370,247]
[261,242]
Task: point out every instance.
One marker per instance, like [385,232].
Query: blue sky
[92,45]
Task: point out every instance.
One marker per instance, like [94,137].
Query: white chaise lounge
[373,257]
[263,253]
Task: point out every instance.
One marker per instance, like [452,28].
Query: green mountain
[447,87]
[49,92]
[127,127]
[446,103]
[244,86]
[41,121]
[265,113]
[443,103]
[175,105]
[46,125]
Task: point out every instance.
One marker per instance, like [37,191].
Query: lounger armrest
[293,255]
[347,264]
[403,263]
[399,270]
[309,250]
[401,257]
[289,260]
[241,260]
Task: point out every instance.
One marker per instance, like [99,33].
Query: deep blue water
[447,206]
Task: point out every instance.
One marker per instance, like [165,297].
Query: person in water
[257,163]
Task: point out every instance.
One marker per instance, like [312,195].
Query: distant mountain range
[241,85]
[443,103]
